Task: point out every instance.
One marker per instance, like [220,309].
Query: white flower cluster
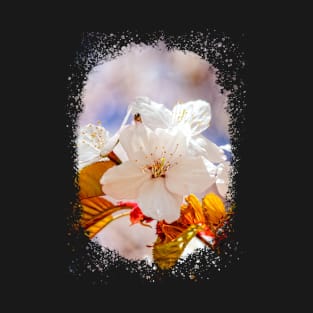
[165,156]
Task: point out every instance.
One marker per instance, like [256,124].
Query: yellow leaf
[166,255]
[96,214]
[89,179]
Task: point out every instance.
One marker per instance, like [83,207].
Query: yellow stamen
[159,168]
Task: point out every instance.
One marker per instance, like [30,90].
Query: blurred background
[165,76]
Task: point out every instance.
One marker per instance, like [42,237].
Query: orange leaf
[168,232]
[96,214]
[89,179]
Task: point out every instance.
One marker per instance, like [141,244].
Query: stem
[145,224]
[117,216]
[113,157]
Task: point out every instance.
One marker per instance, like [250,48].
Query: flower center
[98,137]
[159,165]
[159,168]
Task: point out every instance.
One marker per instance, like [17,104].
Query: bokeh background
[165,76]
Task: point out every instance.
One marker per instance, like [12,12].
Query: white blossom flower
[94,143]
[190,118]
[159,172]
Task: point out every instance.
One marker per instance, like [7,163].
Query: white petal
[200,145]
[123,181]
[157,202]
[86,153]
[223,178]
[226,147]
[120,152]
[110,144]
[114,140]
[190,175]
[212,188]
[211,168]
[134,139]
[146,146]
[91,140]
[168,144]
[153,114]
[194,114]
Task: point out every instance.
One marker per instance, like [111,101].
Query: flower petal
[211,168]
[169,144]
[134,139]
[196,114]
[200,145]
[87,154]
[123,181]
[110,144]
[157,202]
[226,147]
[146,146]
[154,115]
[120,152]
[222,181]
[91,140]
[190,175]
